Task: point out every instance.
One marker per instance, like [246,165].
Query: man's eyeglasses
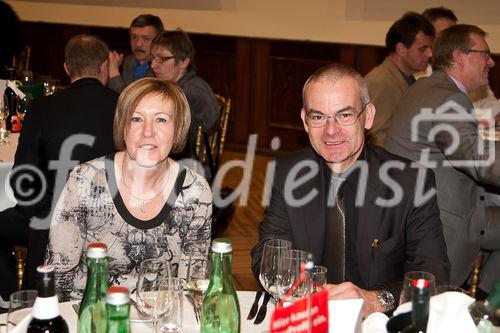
[160,59]
[343,118]
[485,53]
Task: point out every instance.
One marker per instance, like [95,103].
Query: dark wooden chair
[21,253]
[210,143]
[208,149]
[475,274]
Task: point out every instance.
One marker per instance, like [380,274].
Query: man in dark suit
[60,131]
[437,126]
[357,209]
[143,29]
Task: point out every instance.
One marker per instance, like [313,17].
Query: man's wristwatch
[386,300]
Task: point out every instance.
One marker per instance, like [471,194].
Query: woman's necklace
[142,201]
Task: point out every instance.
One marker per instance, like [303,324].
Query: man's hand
[115,61]
[347,290]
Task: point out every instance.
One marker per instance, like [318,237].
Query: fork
[195,307]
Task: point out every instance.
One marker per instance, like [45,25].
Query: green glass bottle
[118,310]
[486,315]
[92,316]
[220,311]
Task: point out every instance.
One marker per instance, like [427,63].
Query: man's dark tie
[334,253]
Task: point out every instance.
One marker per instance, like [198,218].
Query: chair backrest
[210,143]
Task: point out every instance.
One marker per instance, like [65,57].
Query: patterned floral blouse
[87,212]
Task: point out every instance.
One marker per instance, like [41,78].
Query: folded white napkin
[345,316]
[375,323]
[448,312]
[22,327]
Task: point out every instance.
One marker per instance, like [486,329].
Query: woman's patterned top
[88,212]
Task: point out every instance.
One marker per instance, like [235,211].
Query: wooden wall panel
[258,116]
[263,77]
[494,77]
[285,90]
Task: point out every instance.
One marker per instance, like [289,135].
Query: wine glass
[293,261]
[20,304]
[409,277]
[198,273]
[154,298]
[271,266]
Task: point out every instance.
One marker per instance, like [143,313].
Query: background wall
[342,21]
[257,53]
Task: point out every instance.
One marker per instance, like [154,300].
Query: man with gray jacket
[436,125]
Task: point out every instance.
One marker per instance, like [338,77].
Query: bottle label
[45,308]
[12,85]
[15,122]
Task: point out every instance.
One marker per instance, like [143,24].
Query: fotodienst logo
[456,130]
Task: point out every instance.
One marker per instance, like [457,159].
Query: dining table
[189,323]
[7,153]
[8,150]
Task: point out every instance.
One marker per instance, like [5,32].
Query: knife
[255,306]
[263,310]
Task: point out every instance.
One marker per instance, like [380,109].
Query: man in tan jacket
[409,42]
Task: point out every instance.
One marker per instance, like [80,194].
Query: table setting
[189,321]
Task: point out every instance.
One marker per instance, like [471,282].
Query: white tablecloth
[6,196]
[8,151]
[344,316]
[189,322]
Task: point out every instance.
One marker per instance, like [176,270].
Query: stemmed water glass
[271,267]
[293,260]
[154,297]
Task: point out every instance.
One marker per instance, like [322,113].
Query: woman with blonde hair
[138,201]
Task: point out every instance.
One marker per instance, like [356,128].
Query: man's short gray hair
[456,37]
[335,72]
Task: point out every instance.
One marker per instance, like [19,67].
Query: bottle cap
[222,245]
[97,250]
[420,290]
[420,283]
[45,281]
[117,296]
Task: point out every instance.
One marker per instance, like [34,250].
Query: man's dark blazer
[390,241]
[86,107]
